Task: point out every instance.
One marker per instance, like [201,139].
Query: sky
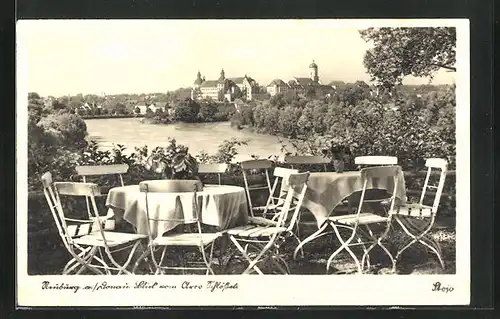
[148,56]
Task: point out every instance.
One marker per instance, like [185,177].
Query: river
[198,136]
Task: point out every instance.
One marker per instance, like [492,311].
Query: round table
[224,206]
[325,190]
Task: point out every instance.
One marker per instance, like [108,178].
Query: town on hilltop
[222,90]
[246,87]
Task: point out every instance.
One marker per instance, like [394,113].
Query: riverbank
[110,116]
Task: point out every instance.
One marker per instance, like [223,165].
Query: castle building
[223,88]
[297,85]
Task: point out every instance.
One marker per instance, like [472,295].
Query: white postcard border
[293,290]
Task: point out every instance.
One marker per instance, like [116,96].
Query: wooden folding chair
[213,169]
[359,223]
[256,165]
[89,171]
[91,247]
[274,201]
[296,160]
[188,238]
[417,219]
[266,236]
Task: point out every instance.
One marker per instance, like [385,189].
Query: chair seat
[255,231]
[112,238]
[413,210]
[364,219]
[261,221]
[187,239]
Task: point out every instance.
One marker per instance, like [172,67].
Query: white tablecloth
[328,189]
[223,206]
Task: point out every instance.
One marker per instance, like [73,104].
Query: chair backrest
[307,160]
[256,164]
[439,164]
[281,175]
[378,172]
[70,228]
[213,169]
[172,186]
[290,210]
[376,160]
[55,205]
[99,170]
[259,164]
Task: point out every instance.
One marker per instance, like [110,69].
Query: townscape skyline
[68,57]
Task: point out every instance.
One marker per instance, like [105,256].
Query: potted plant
[338,153]
[172,162]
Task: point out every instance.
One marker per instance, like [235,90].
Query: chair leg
[274,255]
[245,255]
[435,249]
[423,238]
[344,245]
[315,235]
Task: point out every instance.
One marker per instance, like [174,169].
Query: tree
[33,96]
[208,111]
[137,110]
[399,52]
[186,111]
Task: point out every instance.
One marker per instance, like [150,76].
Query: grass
[47,257]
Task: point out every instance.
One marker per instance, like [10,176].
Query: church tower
[313,72]
[198,80]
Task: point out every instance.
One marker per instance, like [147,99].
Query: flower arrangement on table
[339,154]
[172,162]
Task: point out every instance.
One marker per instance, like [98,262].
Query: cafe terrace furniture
[188,215]
[247,167]
[280,186]
[326,190]
[359,226]
[213,169]
[298,160]
[376,160]
[265,236]
[91,247]
[223,206]
[117,170]
[417,219]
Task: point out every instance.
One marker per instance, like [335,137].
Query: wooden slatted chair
[257,165]
[192,238]
[213,169]
[91,247]
[358,224]
[279,186]
[296,160]
[89,171]
[407,215]
[266,236]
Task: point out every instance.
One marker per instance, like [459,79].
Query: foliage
[67,130]
[398,52]
[172,162]
[412,128]
[225,152]
[54,141]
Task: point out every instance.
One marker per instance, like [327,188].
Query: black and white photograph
[196,162]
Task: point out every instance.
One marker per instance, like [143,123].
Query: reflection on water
[199,136]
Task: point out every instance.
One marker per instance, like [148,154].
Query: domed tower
[222,75]
[198,80]
[222,81]
[313,72]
